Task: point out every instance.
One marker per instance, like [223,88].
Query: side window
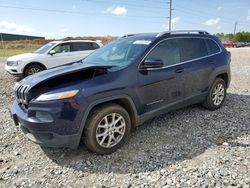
[95,46]
[212,47]
[81,46]
[62,48]
[168,51]
[193,48]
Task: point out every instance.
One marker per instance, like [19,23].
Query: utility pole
[170,15]
[235,25]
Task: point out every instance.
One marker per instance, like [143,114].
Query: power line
[204,14]
[186,10]
[72,12]
[125,3]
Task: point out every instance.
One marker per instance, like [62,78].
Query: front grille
[21,95]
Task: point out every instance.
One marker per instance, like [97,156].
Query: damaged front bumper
[54,129]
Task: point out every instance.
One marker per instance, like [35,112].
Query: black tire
[96,119]
[209,103]
[32,69]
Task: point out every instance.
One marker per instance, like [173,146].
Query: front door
[62,56]
[162,87]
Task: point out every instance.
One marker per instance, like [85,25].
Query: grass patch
[10,52]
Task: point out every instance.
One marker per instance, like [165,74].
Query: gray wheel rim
[218,94]
[110,130]
[33,70]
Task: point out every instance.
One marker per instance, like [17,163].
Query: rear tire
[32,69]
[216,95]
[107,128]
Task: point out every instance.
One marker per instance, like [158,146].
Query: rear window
[81,46]
[212,47]
[95,46]
[193,48]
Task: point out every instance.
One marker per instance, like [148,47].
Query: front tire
[107,128]
[216,95]
[32,69]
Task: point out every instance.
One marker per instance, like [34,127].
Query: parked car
[50,55]
[229,44]
[119,86]
[241,44]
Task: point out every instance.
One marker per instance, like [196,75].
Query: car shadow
[166,139]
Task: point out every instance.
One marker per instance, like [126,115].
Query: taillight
[229,56]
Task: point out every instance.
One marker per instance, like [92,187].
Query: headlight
[13,63]
[55,96]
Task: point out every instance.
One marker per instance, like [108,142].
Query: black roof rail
[128,35]
[183,31]
[134,34]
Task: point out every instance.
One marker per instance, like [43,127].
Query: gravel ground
[191,147]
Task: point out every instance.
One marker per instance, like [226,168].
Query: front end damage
[54,123]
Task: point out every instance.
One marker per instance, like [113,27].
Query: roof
[64,41]
[168,33]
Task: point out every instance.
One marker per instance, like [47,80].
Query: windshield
[119,53]
[44,48]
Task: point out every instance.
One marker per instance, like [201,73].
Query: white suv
[50,55]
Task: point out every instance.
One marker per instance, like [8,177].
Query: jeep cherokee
[119,86]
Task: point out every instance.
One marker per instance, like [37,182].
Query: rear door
[80,50]
[196,65]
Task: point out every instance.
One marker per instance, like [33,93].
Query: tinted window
[212,47]
[192,48]
[168,51]
[62,48]
[95,45]
[81,46]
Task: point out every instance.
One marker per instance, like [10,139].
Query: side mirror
[152,63]
[52,52]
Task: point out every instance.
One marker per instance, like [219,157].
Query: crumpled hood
[46,75]
[23,56]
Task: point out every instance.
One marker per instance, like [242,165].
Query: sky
[62,18]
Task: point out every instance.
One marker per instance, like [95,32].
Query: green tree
[238,37]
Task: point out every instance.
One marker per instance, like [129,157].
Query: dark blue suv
[119,86]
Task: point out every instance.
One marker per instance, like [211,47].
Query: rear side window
[193,48]
[95,46]
[81,46]
[168,51]
[212,47]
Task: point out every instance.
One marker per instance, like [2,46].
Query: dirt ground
[191,147]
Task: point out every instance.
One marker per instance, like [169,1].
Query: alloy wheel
[218,94]
[110,130]
[33,70]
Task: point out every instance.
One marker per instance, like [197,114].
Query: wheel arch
[34,63]
[124,100]
[224,76]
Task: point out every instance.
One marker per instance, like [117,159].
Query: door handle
[212,61]
[179,70]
